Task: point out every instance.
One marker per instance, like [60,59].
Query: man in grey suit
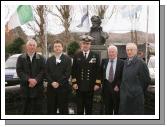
[58,70]
[135,80]
[30,69]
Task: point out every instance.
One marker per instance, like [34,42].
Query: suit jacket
[86,72]
[59,72]
[35,69]
[117,76]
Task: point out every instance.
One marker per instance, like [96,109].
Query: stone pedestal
[101,50]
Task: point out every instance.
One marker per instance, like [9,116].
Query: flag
[84,17]
[22,15]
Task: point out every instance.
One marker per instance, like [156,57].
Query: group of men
[123,83]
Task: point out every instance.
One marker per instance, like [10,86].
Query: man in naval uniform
[85,75]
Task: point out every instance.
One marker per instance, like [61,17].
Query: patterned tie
[111,72]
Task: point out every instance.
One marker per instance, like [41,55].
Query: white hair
[113,47]
[131,45]
[31,41]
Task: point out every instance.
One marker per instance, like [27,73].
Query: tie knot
[85,55]
[111,61]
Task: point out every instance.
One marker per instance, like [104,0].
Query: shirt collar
[113,59]
[86,52]
[58,56]
[31,54]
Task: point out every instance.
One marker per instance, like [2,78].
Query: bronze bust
[96,31]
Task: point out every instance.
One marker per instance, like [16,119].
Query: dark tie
[129,61]
[85,55]
[111,72]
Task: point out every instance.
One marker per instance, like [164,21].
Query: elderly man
[58,70]
[111,79]
[135,80]
[85,76]
[30,69]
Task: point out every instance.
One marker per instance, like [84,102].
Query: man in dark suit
[135,80]
[30,69]
[111,70]
[58,70]
[85,76]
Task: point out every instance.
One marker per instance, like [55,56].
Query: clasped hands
[32,82]
[55,84]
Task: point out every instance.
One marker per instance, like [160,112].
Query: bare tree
[133,13]
[100,10]
[64,15]
[40,22]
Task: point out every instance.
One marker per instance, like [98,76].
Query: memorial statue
[96,31]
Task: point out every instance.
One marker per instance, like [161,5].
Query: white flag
[84,18]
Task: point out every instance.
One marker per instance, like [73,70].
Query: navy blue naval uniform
[85,73]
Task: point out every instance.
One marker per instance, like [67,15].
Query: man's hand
[55,84]
[96,87]
[116,89]
[75,86]
[32,82]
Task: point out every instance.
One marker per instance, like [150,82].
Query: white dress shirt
[31,56]
[87,53]
[58,58]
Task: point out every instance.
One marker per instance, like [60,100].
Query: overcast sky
[117,23]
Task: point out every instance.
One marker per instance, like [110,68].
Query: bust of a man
[96,31]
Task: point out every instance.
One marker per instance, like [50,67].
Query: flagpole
[147,34]
[45,34]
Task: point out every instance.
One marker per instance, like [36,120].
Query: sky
[117,23]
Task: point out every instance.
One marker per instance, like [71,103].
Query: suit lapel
[105,64]
[89,56]
[117,67]
[81,55]
[105,67]
[62,59]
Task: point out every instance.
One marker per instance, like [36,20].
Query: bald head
[131,49]
[112,52]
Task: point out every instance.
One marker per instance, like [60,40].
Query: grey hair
[30,41]
[133,45]
[113,47]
